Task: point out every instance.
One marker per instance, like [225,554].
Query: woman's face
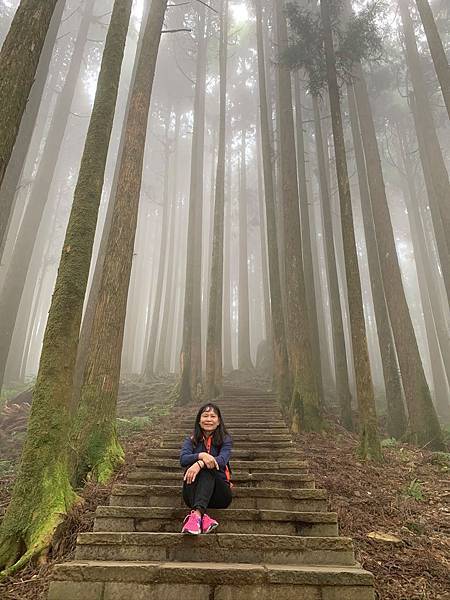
[209,421]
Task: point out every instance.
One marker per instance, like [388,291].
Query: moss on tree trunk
[97,449]
[43,494]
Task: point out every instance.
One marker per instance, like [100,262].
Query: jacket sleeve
[225,453]
[187,458]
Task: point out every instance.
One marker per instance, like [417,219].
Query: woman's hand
[210,461]
[191,473]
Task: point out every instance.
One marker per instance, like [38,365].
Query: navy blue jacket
[189,454]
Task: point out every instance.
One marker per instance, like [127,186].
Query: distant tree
[96,447]
[191,357]
[42,493]
[281,365]
[213,380]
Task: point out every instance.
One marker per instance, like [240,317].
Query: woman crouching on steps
[205,457]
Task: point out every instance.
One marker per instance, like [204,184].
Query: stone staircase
[276,540]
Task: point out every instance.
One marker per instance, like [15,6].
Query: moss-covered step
[248,466]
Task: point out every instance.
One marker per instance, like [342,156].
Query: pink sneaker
[192,524]
[208,524]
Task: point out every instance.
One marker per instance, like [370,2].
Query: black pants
[209,490]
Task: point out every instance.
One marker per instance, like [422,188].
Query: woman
[205,457]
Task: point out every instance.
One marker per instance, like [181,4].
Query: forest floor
[397,512]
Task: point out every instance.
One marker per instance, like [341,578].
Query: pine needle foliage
[358,38]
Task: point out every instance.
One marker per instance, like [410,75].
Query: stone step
[240,438]
[304,500]
[250,414]
[224,547]
[277,480]
[250,466]
[286,445]
[169,520]
[187,426]
[239,453]
[88,580]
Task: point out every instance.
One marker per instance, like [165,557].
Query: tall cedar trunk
[438,226]
[97,449]
[244,356]
[437,166]
[191,359]
[263,240]
[227,348]
[306,237]
[162,364]
[305,410]
[155,320]
[26,238]
[281,365]
[14,169]
[427,282]
[209,245]
[397,421]
[171,340]
[42,493]
[436,48]
[88,317]
[423,421]
[213,382]
[370,446]
[19,55]
[337,324]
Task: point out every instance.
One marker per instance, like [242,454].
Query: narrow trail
[276,538]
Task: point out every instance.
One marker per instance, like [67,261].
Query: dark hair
[219,434]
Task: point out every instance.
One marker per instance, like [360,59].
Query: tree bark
[95,440]
[42,493]
[423,422]
[370,446]
[436,48]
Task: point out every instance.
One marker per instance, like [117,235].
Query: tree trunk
[155,321]
[437,166]
[306,238]
[162,363]
[397,421]
[42,493]
[370,446]
[88,317]
[213,383]
[20,55]
[191,352]
[423,422]
[337,324]
[305,411]
[15,166]
[436,49]
[227,348]
[94,437]
[244,355]
[18,268]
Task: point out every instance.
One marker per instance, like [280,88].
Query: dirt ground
[406,498]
